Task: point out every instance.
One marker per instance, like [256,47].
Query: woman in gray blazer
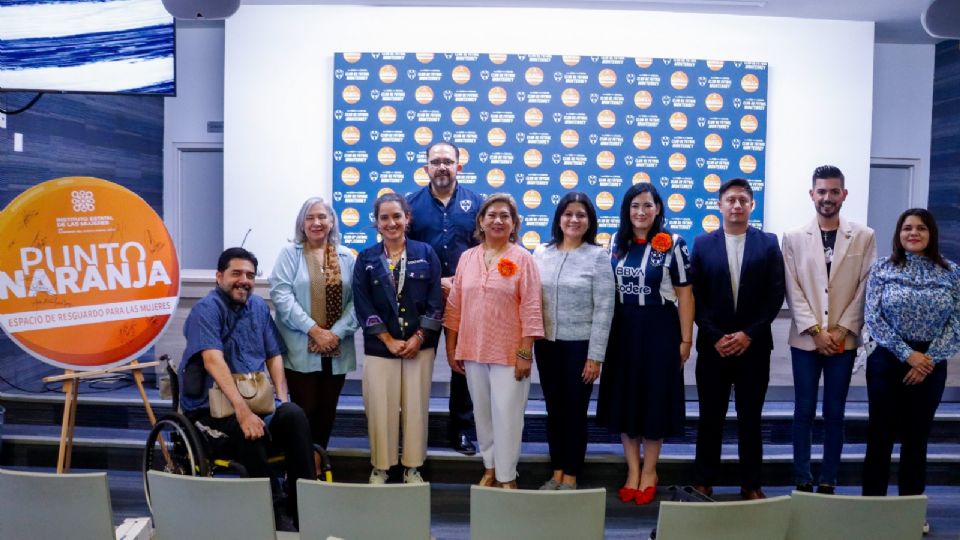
[578,299]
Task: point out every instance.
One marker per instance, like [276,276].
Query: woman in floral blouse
[493,315]
[641,391]
[913,313]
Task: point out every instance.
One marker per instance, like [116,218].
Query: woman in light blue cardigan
[578,299]
[311,289]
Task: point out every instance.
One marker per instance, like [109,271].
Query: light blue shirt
[290,292]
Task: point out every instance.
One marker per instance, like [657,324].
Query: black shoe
[463,444]
[806,487]
[826,489]
[283,520]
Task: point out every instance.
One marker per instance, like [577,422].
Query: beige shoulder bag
[256,389]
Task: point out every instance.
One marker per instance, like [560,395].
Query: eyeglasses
[445,162]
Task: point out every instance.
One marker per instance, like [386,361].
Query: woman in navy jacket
[396,293]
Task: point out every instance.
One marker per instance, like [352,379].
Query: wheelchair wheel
[173,446]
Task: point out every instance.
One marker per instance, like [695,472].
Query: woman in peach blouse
[493,315]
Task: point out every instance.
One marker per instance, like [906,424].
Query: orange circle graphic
[89,277]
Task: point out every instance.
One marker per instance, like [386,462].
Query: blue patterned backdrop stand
[945,148]
[117,138]
[537,126]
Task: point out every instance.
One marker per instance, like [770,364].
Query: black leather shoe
[752,494]
[826,489]
[806,488]
[464,445]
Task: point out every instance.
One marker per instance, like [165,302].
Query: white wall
[278,90]
[199,100]
[903,109]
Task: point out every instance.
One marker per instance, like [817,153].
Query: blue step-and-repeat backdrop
[537,126]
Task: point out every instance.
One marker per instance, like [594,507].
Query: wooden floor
[450,504]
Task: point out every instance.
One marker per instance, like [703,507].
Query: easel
[71,385]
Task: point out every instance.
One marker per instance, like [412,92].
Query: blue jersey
[647,277]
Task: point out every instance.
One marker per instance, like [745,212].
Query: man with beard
[826,262]
[230,331]
[445,216]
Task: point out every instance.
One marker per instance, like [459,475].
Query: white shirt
[735,243]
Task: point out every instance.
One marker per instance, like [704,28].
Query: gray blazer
[578,295]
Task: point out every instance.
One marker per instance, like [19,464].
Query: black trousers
[560,364]
[899,410]
[748,375]
[317,393]
[288,431]
[460,404]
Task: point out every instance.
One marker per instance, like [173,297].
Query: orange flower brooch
[661,242]
[506,267]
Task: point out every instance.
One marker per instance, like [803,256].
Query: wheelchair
[176,445]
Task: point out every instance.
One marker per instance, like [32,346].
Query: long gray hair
[298,235]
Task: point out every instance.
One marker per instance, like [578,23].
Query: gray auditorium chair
[359,511]
[496,514]
[836,517]
[43,506]
[765,519]
[201,507]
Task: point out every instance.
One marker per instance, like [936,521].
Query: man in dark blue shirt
[445,216]
[230,331]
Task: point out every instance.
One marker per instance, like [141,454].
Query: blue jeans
[836,369]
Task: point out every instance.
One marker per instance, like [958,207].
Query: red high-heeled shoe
[647,495]
[627,494]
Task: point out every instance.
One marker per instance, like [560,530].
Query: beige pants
[396,392]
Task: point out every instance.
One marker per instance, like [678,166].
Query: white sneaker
[412,476]
[378,476]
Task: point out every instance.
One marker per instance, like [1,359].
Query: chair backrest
[201,507]
[764,519]
[496,514]
[53,506]
[827,517]
[361,511]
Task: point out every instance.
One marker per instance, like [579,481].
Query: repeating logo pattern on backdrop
[537,126]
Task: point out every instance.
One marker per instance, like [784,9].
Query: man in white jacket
[826,264]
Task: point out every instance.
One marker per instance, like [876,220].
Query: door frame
[910,164]
[172,191]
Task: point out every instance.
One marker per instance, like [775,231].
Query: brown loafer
[509,485]
[487,480]
[752,494]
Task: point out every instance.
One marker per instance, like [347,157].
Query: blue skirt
[641,389]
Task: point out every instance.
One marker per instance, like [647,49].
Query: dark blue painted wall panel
[945,148]
[117,138]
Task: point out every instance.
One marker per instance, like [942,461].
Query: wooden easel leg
[66,427]
[138,378]
[73,422]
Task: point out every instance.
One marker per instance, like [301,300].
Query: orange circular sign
[89,277]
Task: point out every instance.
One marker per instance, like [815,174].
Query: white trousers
[397,391]
[499,401]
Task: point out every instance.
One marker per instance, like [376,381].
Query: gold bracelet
[525,354]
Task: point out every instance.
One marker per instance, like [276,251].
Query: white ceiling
[897,21]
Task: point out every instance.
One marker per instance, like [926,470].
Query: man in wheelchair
[231,338]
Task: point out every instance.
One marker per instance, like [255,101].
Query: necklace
[394,257]
[489,255]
